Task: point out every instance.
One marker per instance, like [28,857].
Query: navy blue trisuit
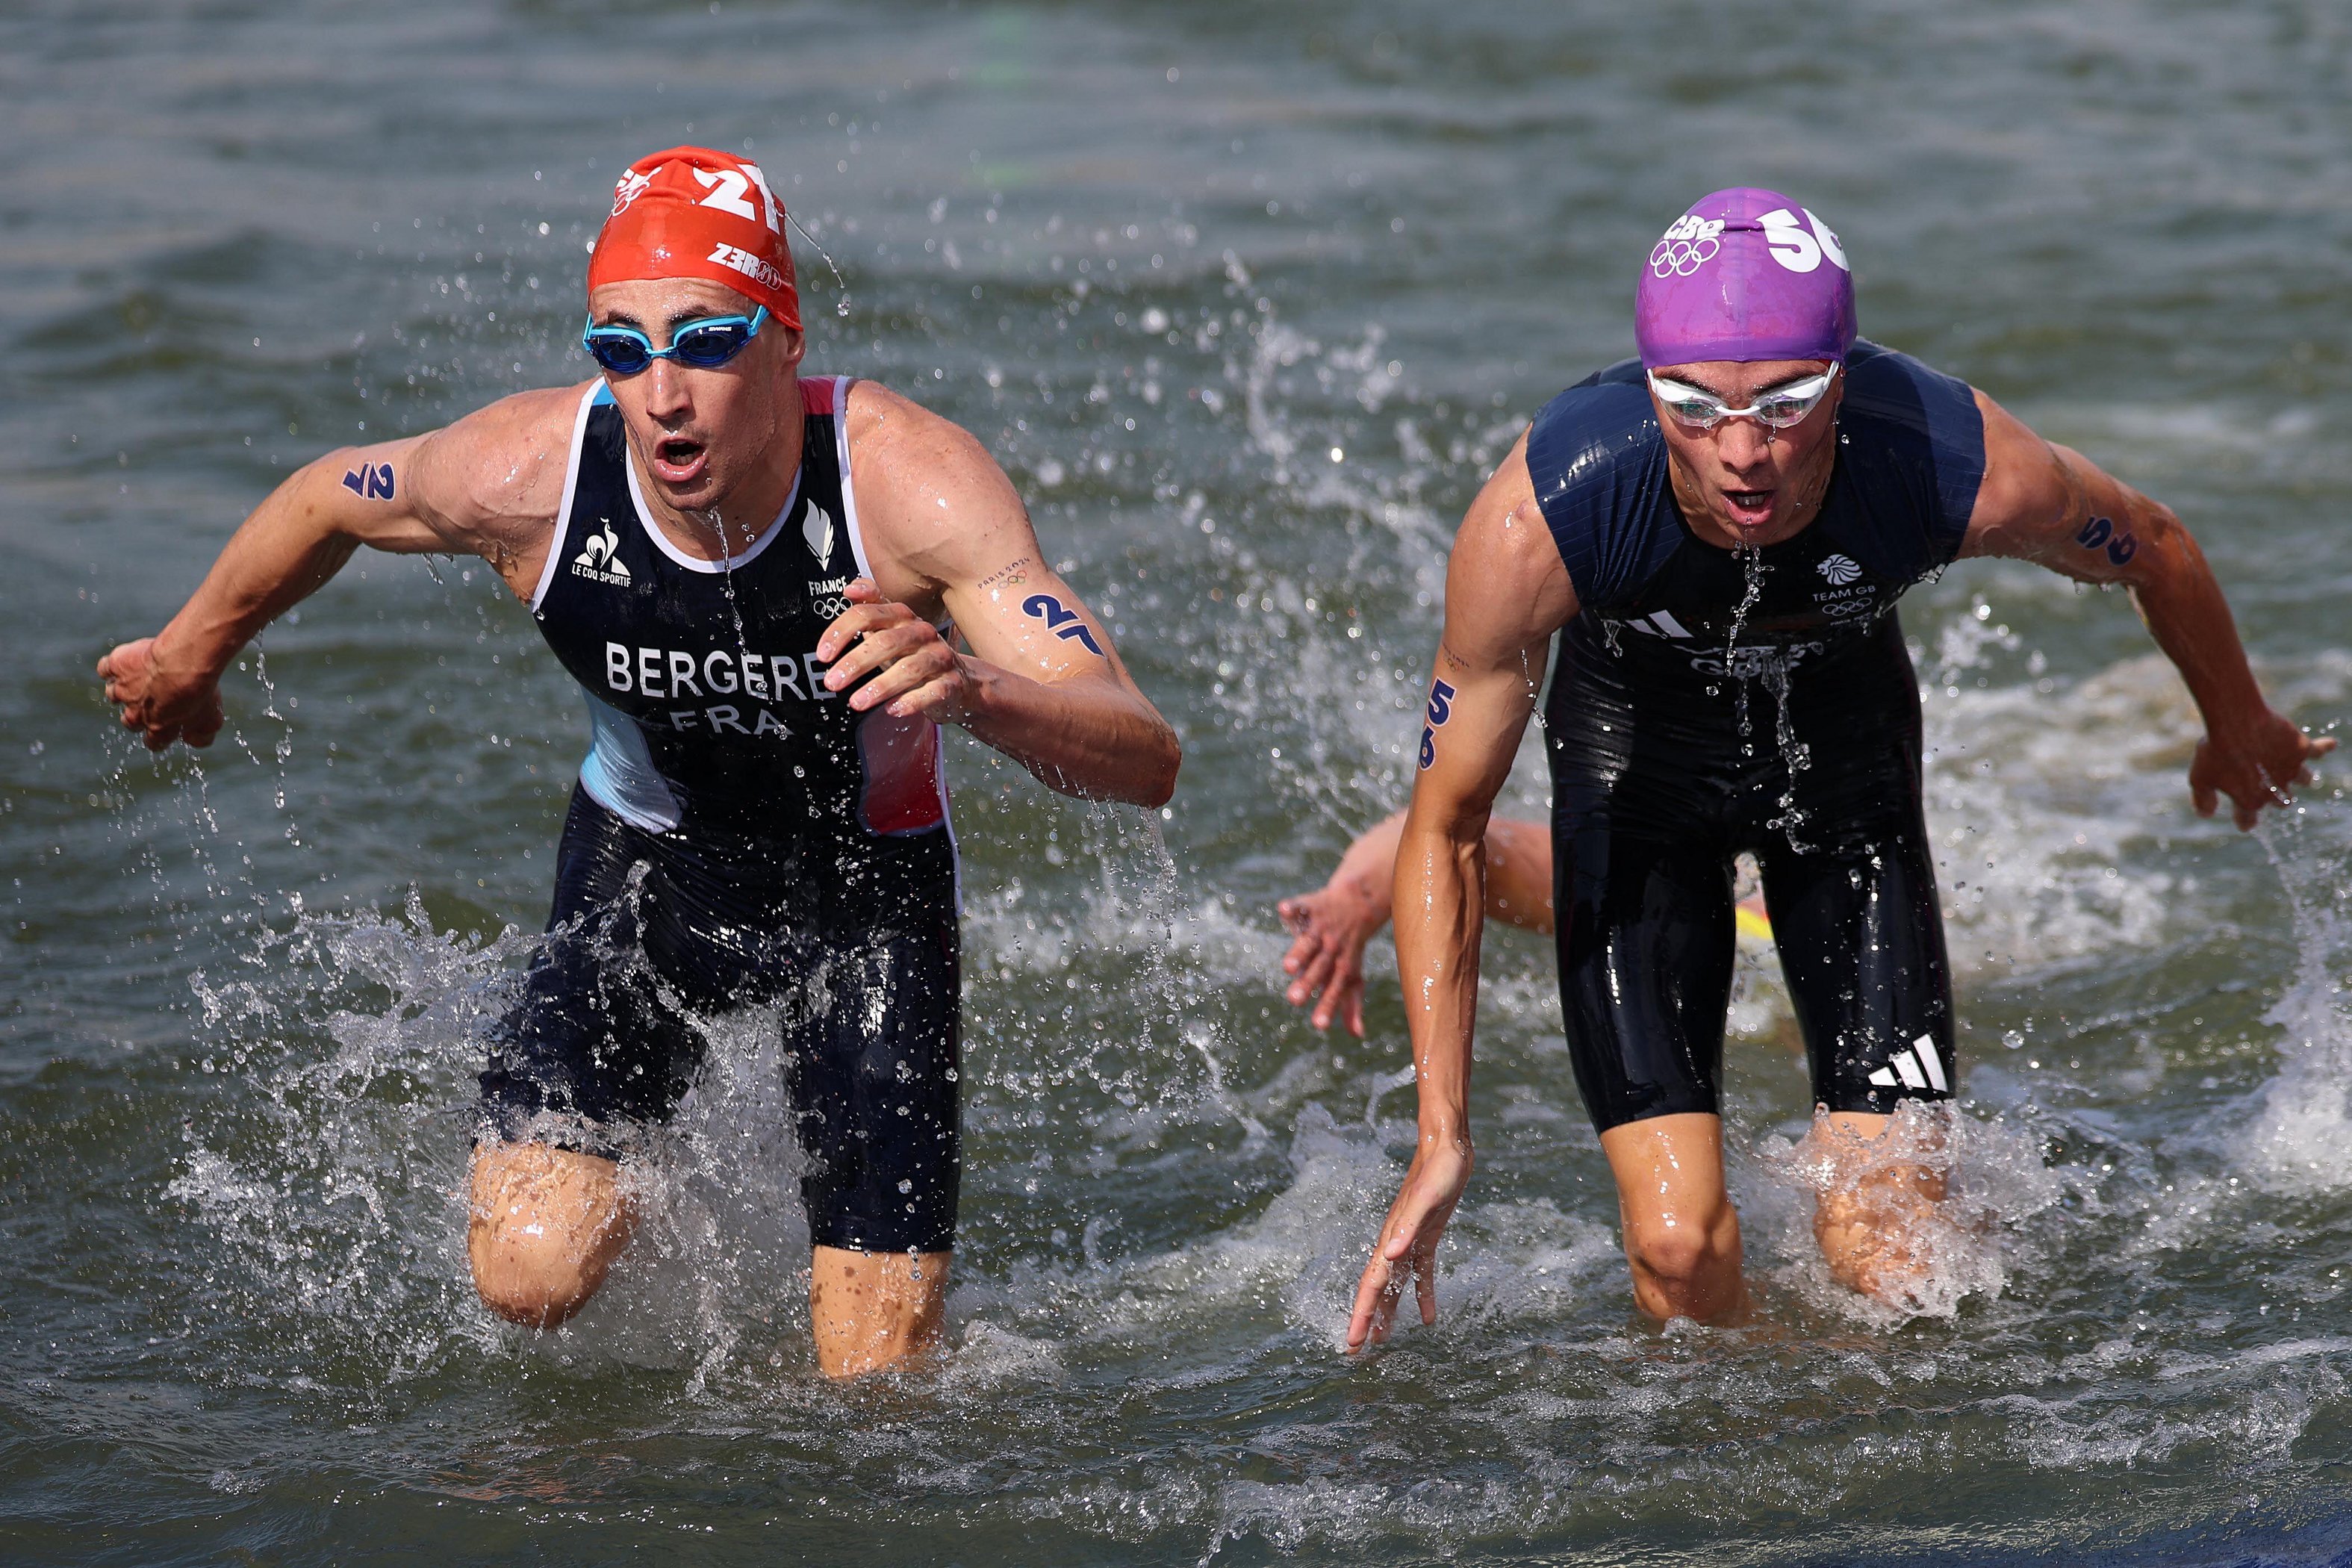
[1706,701]
[740,838]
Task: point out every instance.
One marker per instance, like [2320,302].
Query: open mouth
[678,460]
[1748,507]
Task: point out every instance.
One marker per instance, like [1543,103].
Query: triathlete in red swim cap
[751,572]
[1717,533]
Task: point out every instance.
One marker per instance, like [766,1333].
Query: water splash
[2299,1142]
[341,1172]
[1993,1179]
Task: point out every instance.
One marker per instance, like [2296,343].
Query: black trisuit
[1683,729]
[740,836]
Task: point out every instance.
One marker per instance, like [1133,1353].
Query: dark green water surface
[1247,300]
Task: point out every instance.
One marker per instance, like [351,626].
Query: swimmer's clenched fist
[760,579]
[161,704]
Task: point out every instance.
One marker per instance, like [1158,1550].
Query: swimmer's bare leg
[1869,1224]
[545,1226]
[1682,1235]
[872,1311]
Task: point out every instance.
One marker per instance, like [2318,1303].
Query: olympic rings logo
[1688,244]
[1681,258]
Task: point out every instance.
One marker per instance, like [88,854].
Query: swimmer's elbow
[1166,760]
[2165,550]
[1137,773]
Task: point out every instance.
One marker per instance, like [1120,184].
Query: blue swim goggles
[706,344]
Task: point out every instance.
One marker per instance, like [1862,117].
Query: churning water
[1247,302]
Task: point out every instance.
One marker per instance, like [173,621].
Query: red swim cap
[695,213]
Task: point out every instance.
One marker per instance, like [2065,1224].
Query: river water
[1247,300]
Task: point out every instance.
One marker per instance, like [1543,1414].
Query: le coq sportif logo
[599,559]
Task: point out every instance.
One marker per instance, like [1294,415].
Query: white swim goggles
[1779,408]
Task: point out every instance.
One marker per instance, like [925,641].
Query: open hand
[1326,962]
[1407,1248]
[162,705]
[2255,765]
[910,666]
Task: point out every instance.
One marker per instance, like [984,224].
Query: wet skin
[545,1225]
[1744,484]
[715,450]
[1737,485]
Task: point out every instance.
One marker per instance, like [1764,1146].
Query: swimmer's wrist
[984,694]
[2226,722]
[1449,1134]
[1365,898]
[188,657]
[1444,1118]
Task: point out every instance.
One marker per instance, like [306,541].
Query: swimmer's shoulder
[1585,435]
[1912,430]
[494,481]
[1883,383]
[934,505]
[1597,460]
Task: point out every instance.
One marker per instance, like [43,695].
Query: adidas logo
[599,561]
[818,529]
[1918,1067]
[1839,569]
[1659,624]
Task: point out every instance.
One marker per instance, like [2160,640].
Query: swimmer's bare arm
[1506,594]
[1330,926]
[489,485]
[2048,504]
[946,535]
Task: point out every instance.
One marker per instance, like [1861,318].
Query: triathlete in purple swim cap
[1718,532]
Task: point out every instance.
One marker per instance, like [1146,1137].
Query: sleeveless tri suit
[1705,702]
[740,836]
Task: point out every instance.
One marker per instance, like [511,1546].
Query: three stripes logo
[1917,1068]
[1660,624]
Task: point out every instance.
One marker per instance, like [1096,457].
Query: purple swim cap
[1744,275]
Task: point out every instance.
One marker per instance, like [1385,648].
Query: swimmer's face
[703,435]
[1742,482]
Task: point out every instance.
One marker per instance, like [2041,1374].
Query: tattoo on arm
[1441,709]
[370,481]
[1061,620]
[2101,533]
[1006,576]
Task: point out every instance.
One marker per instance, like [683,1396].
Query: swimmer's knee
[1685,1257]
[539,1292]
[544,1229]
[1689,1267]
